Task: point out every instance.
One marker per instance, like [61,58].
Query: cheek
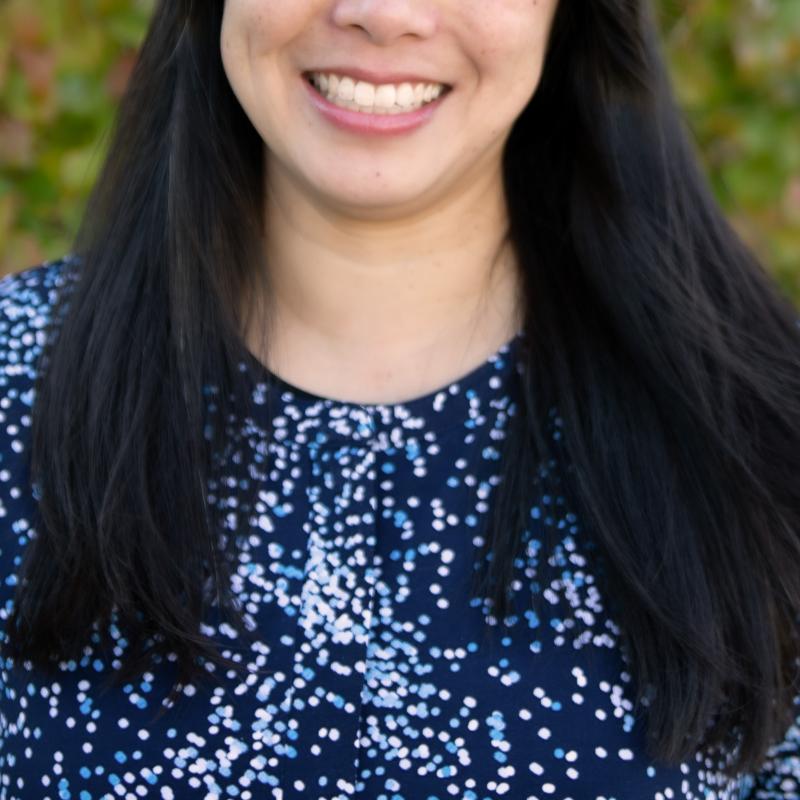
[506,41]
[509,37]
[252,28]
[233,41]
[251,33]
[514,54]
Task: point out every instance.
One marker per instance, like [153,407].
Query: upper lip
[375,77]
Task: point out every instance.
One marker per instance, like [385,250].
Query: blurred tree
[64,65]
[736,69]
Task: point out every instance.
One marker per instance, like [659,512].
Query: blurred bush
[736,68]
[64,65]
[63,69]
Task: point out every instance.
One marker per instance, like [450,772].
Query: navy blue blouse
[370,674]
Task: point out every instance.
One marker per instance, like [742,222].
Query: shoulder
[27,299]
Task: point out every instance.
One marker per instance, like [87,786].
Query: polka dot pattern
[373,674]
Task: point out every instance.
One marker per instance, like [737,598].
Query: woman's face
[384,55]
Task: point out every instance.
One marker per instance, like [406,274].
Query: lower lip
[374,124]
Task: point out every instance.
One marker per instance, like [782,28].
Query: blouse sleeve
[779,776]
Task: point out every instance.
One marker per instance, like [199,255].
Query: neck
[384,309]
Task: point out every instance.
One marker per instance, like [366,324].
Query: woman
[407,423]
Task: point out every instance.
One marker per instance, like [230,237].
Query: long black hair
[670,355]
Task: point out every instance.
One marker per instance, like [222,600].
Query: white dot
[625,754]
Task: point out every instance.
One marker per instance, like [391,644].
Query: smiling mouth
[370,98]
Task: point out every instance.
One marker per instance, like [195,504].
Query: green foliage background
[64,64]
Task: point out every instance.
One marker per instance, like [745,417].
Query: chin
[380,196]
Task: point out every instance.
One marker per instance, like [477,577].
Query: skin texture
[388,271]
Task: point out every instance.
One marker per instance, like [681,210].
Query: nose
[386,20]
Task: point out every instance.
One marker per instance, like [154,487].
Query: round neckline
[452,405]
[468,379]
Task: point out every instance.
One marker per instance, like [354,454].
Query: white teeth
[405,95]
[385,96]
[364,94]
[347,89]
[369,98]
